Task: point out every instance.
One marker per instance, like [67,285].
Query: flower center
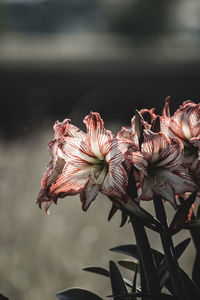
[100,169]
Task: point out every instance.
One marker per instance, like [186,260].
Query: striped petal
[72,180]
[147,190]
[64,129]
[89,194]
[115,183]
[98,136]
[78,151]
[179,179]
[116,150]
[171,157]
[154,144]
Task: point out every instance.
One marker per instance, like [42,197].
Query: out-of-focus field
[42,254]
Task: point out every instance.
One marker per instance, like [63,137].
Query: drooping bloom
[160,169]
[86,164]
[185,124]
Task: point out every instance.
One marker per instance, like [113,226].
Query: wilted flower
[85,163]
[159,165]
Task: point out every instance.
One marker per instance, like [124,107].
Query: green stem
[145,254]
[167,243]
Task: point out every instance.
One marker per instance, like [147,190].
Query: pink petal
[166,110]
[166,192]
[97,134]
[116,150]
[147,191]
[78,151]
[115,183]
[64,129]
[72,180]
[179,179]
[154,143]
[138,159]
[89,194]
[172,156]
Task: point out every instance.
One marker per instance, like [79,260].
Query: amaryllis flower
[185,124]
[86,164]
[62,131]
[159,164]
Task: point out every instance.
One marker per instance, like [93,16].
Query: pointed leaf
[131,250]
[112,212]
[117,283]
[97,270]
[193,225]
[132,188]
[77,294]
[163,268]
[155,127]
[180,248]
[134,289]
[142,215]
[198,211]
[128,264]
[139,127]
[149,294]
[124,219]
[181,215]
[190,286]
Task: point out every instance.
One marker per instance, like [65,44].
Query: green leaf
[97,270]
[134,288]
[163,268]
[193,225]
[117,282]
[77,294]
[155,127]
[141,214]
[112,212]
[180,248]
[195,270]
[139,127]
[179,220]
[149,294]
[131,250]
[128,264]
[104,272]
[190,286]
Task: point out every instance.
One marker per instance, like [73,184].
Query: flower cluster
[162,155]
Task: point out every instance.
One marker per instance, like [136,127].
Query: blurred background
[61,59]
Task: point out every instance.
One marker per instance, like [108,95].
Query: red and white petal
[147,192]
[154,144]
[125,133]
[179,179]
[169,127]
[171,157]
[64,129]
[98,136]
[89,194]
[72,180]
[165,191]
[117,149]
[166,109]
[138,159]
[115,183]
[78,151]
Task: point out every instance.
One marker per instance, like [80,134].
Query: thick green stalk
[146,257]
[167,243]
